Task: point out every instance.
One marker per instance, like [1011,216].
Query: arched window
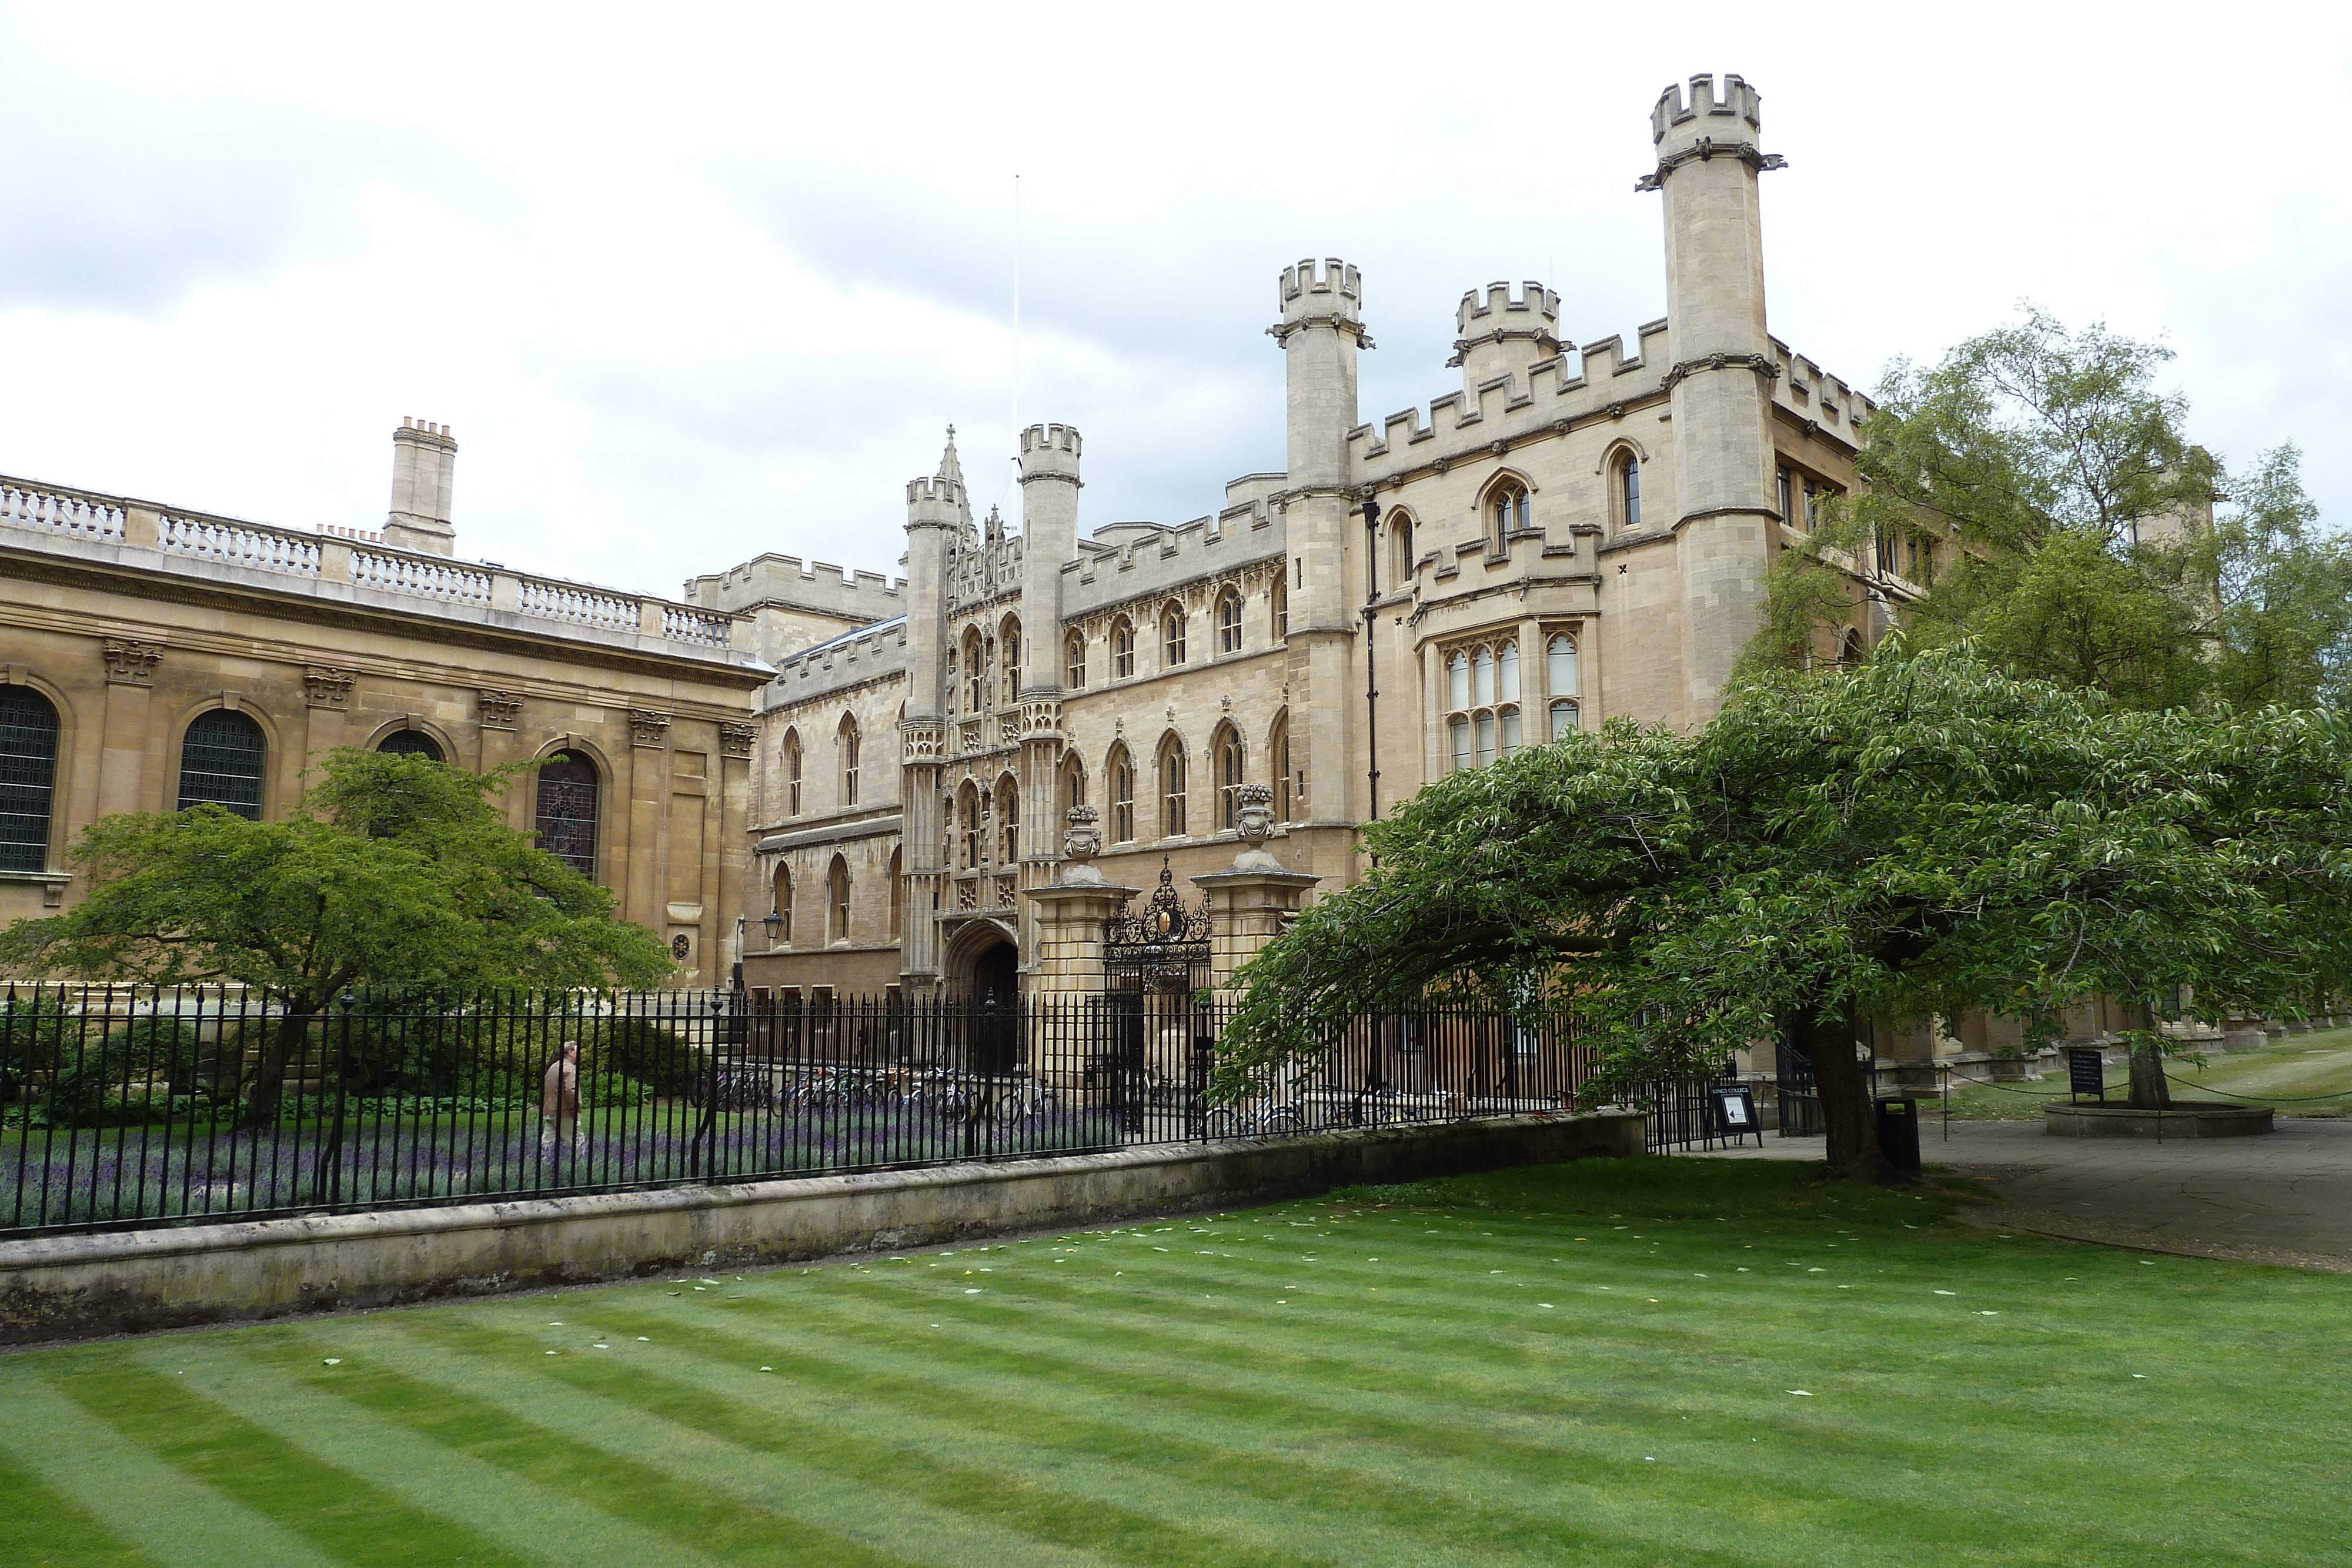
[845,742]
[1401,557]
[1122,649]
[1281,607]
[1074,781]
[568,790]
[1120,770]
[953,678]
[1008,820]
[837,901]
[1629,491]
[975,677]
[1229,621]
[1560,672]
[780,901]
[1507,512]
[897,895]
[222,760]
[29,777]
[792,773]
[1074,662]
[1009,641]
[1850,650]
[1481,701]
[968,821]
[1172,636]
[1171,787]
[1277,754]
[411,743]
[1226,748]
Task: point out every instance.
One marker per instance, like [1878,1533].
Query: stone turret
[1049,532]
[424,469]
[1500,336]
[1721,379]
[938,512]
[1321,330]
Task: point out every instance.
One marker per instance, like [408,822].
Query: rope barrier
[2185,1083]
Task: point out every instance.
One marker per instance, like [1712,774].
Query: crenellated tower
[1499,336]
[1049,533]
[938,513]
[1721,379]
[1321,332]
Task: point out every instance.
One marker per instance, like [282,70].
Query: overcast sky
[691,284]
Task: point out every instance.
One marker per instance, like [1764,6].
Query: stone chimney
[423,465]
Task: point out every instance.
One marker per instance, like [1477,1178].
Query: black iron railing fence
[123,1106]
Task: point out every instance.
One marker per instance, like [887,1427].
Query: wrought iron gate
[1156,1045]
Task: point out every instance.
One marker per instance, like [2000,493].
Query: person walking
[559,1101]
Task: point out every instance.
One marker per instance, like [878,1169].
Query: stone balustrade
[52,510]
[60,520]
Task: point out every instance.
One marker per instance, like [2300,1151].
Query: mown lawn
[1636,1362]
[2301,1075]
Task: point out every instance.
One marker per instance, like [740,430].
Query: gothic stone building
[1575,533]
[868,774]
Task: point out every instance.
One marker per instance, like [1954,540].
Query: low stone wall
[70,1287]
[2186,1119]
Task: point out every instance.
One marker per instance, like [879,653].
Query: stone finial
[1081,842]
[1254,820]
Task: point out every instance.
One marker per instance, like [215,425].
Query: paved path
[2284,1197]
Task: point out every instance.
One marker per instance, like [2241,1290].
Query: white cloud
[690,286]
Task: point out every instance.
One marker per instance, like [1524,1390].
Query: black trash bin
[1898,1134]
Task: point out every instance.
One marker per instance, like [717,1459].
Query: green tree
[2285,590]
[393,871]
[2058,486]
[1919,836]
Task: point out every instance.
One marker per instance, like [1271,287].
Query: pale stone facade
[1576,534]
[154,655]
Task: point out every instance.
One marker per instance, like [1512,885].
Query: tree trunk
[1848,1117]
[2149,1092]
[269,1076]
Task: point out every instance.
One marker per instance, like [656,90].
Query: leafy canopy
[1923,835]
[393,871]
[2074,523]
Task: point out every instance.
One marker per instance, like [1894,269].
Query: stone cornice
[1705,149]
[128,583]
[180,641]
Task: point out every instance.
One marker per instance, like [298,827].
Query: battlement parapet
[1050,452]
[783,579]
[852,657]
[1707,126]
[1495,307]
[1688,116]
[1331,295]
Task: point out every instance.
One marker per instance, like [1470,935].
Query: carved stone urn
[1253,820]
[1081,842]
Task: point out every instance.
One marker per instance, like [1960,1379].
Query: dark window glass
[29,773]
[221,761]
[567,810]
[411,743]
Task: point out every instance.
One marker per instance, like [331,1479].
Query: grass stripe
[527,1517]
[334,1509]
[143,1500]
[726,1528]
[40,1528]
[1000,1497]
[1347,1476]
